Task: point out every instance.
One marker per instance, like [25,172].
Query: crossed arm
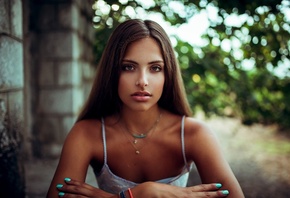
[73,189]
[212,167]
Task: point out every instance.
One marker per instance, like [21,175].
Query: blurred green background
[234,55]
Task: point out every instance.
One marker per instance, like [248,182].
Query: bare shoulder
[84,132]
[194,127]
[82,144]
[199,138]
[86,127]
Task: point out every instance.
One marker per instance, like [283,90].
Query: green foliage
[243,81]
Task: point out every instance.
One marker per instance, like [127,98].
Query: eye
[128,67]
[156,68]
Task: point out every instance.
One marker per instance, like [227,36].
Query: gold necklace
[142,135]
[134,142]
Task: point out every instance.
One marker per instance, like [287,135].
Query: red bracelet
[130,193]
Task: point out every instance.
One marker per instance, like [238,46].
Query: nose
[142,80]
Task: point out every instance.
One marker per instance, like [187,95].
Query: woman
[135,130]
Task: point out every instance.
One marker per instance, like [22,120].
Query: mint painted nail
[225,192]
[67,179]
[59,185]
[61,194]
[218,185]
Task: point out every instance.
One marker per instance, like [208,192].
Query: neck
[140,120]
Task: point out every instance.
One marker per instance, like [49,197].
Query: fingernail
[225,192]
[218,185]
[67,179]
[61,194]
[59,186]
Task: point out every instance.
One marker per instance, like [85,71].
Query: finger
[73,182]
[206,187]
[73,188]
[74,191]
[211,194]
[224,193]
[69,195]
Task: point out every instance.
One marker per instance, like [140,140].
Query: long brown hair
[104,100]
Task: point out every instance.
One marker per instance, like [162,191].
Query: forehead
[146,48]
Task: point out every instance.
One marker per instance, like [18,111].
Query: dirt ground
[258,156]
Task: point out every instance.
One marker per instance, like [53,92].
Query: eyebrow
[151,62]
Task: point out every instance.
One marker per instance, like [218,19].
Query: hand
[73,188]
[209,190]
[153,189]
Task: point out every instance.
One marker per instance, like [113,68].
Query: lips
[141,96]
[141,93]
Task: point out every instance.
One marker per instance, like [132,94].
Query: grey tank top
[112,183]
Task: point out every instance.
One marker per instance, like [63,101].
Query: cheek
[123,83]
[159,83]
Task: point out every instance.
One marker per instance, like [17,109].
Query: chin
[139,107]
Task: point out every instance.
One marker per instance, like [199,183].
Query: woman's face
[142,75]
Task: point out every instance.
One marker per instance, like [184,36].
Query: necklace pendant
[135,141]
[137,152]
[139,136]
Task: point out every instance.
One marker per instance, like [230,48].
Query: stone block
[88,71]
[89,56]
[82,49]
[65,101]
[83,24]
[67,124]
[76,46]
[80,4]
[51,150]
[16,111]
[87,87]
[68,16]
[91,33]
[78,100]
[46,74]
[48,129]
[11,125]
[4,98]
[4,16]
[56,101]
[85,7]
[47,136]
[16,18]
[11,63]
[59,45]
[46,18]
[68,73]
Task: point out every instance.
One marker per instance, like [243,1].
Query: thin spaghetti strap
[104,141]
[183,144]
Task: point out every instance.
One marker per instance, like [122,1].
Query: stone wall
[61,59]
[12,132]
[46,70]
